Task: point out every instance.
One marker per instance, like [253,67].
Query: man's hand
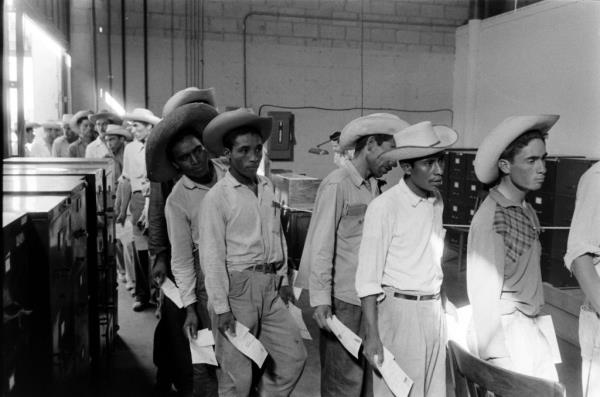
[159,270]
[321,314]
[143,220]
[373,350]
[226,322]
[286,293]
[190,325]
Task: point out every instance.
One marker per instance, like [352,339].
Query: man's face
[69,133]
[29,135]
[51,134]
[527,170]
[140,130]
[190,158]
[245,154]
[377,166]
[114,142]
[101,125]
[86,131]
[425,174]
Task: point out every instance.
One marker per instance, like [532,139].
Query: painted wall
[543,58]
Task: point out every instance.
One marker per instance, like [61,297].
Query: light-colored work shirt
[134,165]
[39,148]
[238,230]
[503,268]
[330,255]
[402,244]
[77,148]
[584,236]
[60,147]
[97,149]
[182,212]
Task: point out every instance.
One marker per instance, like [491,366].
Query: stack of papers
[202,348]
[246,343]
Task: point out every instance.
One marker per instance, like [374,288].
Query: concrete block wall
[303,53]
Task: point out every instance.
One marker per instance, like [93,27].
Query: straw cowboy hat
[488,154]
[192,117]
[114,129]
[143,115]
[82,114]
[215,130]
[190,95]
[51,124]
[376,123]
[421,140]
[66,118]
[105,114]
[32,124]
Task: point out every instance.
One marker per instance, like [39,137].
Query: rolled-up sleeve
[485,276]
[374,245]
[584,236]
[182,251]
[212,248]
[321,245]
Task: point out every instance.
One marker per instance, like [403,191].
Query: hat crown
[66,118]
[376,123]
[420,135]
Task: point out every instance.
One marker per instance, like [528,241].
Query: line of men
[373,259]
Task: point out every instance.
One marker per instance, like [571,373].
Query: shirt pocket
[353,217]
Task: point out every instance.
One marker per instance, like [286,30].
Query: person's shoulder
[336,176]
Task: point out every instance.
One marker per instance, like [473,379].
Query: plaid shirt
[517,230]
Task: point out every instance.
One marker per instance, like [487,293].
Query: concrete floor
[133,372]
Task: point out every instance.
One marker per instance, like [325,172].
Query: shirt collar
[502,200]
[219,169]
[356,178]
[235,183]
[414,199]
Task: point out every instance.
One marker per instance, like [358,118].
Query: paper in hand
[202,348]
[347,338]
[395,378]
[172,292]
[246,343]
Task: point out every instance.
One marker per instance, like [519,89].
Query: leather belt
[263,268]
[431,297]
[137,191]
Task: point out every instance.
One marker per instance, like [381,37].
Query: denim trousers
[255,303]
[341,373]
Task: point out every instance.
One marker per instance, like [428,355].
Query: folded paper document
[202,348]
[245,342]
[171,292]
[347,338]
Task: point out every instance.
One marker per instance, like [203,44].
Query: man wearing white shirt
[42,144]
[97,149]
[134,173]
[399,274]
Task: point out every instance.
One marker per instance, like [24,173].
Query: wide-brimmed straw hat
[192,117]
[376,123]
[32,124]
[190,95]
[488,154]
[82,114]
[215,131]
[66,118]
[143,115]
[421,140]
[114,129]
[105,114]
[51,124]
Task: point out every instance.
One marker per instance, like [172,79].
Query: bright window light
[42,36]
[114,104]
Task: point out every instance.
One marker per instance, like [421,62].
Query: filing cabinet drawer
[568,172]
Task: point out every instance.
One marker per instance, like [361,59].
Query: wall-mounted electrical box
[281,142]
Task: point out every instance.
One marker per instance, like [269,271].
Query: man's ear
[371,142]
[406,167]
[504,166]
[227,153]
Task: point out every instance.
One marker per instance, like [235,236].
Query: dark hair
[361,143]
[412,162]
[520,142]
[231,135]
[176,139]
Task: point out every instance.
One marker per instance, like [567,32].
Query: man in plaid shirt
[503,256]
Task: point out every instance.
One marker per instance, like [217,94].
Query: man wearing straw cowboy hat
[97,149]
[42,144]
[85,129]
[243,257]
[583,259]
[134,174]
[504,281]
[399,274]
[330,255]
[175,148]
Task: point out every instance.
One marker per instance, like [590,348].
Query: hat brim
[192,117]
[372,124]
[490,150]
[144,119]
[120,132]
[111,117]
[216,130]
[184,97]
[446,138]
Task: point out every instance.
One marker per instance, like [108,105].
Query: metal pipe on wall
[145,11]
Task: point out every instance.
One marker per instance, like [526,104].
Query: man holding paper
[243,257]
[399,274]
[330,255]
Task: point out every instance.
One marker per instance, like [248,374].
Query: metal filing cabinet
[68,274]
[98,240]
[17,304]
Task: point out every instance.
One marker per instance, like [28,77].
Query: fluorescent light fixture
[114,104]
